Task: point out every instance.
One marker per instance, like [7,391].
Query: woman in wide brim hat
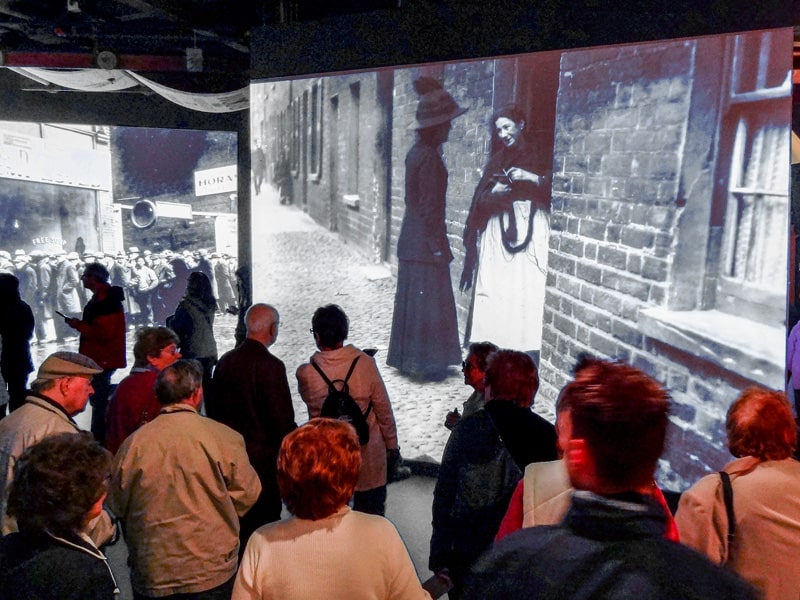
[424,340]
[435,105]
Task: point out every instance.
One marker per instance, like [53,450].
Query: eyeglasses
[467,366]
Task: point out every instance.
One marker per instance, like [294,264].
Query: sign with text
[221,180]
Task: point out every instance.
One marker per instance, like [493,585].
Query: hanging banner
[114,80]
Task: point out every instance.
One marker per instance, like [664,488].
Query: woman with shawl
[506,241]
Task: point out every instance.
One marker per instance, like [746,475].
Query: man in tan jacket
[179,485]
[60,391]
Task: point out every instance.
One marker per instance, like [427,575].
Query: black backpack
[339,404]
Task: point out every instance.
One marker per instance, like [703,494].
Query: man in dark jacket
[251,396]
[610,544]
[482,463]
[102,338]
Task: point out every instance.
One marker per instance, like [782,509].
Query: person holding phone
[102,338]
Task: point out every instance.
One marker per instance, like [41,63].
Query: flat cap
[66,364]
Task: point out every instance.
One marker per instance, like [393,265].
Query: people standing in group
[506,240]
[193,322]
[482,462]
[180,484]
[424,338]
[59,487]
[611,542]
[330,328]
[251,396]
[134,401]
[102,338]
[760,538]
[16,331]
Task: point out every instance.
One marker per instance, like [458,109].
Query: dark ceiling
[156,37]
[140,32]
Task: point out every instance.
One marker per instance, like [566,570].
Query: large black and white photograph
[148,205]
[626,202]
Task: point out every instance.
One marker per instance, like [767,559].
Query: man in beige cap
[59,392]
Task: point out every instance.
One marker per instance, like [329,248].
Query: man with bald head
[251,395]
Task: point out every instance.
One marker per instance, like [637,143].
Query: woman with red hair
[765,483]
[324,550]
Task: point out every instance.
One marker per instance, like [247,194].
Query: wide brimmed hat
[435,105]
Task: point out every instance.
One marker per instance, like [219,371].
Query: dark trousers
[371,501]
[99,401]
[221,592]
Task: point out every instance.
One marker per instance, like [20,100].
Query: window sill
[753,350]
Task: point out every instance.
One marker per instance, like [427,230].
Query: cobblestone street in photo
[307,267]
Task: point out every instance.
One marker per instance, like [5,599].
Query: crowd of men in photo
[153,283]
[194,470]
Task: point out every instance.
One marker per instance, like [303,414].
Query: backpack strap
[322,374]
[347,377]
[350,370]
[727,496]
[328,381]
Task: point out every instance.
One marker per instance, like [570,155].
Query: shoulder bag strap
[727,496]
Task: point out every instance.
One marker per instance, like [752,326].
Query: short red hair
[760,423]
[318,466]
[513,377]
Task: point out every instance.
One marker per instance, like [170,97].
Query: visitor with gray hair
[180,484]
